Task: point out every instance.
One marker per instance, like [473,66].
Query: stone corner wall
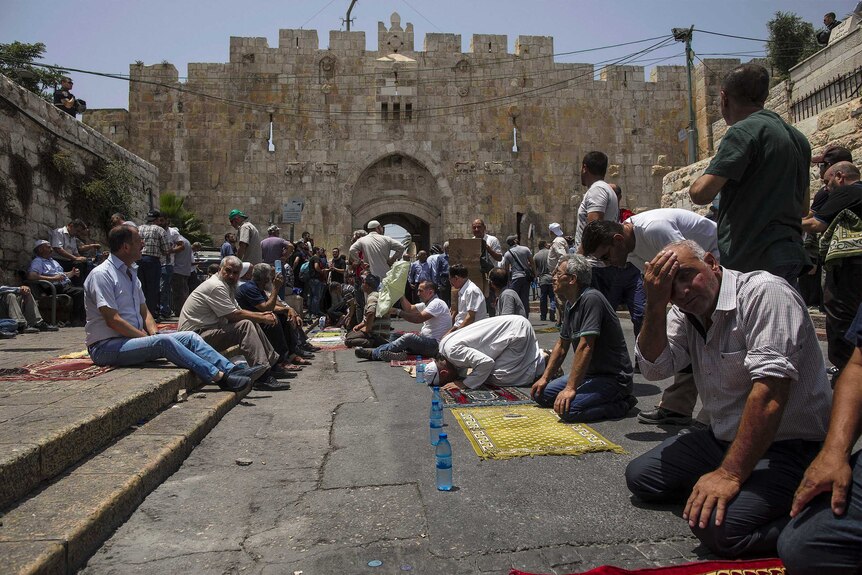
[675,187]
[34,194]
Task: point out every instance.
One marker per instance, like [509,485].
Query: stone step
[56,424]
[57,528]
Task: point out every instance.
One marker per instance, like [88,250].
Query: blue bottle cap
[443,436]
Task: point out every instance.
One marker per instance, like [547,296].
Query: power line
[328,4]
[422,15]
[731,36]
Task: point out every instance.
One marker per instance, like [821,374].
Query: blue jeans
[546,294]
[315,293]
[411,343]
[149,272]
[623,285]
[166,291]
[184,349]
[598,398]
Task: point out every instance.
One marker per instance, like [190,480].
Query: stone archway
[398,189]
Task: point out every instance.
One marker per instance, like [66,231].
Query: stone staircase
[78,457]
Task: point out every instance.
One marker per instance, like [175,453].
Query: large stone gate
[425,138]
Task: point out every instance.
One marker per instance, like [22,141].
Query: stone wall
[426,135]
[35,193]
[840,125]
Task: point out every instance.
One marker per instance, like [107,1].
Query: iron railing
[838,90]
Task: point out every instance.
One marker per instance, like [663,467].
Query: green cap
[237,213]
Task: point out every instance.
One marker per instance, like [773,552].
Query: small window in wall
[408,112]
[396,111]
[384,111]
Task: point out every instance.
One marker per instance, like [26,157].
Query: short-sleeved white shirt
[470,298]
[440,321]
[654,229]
[599,198]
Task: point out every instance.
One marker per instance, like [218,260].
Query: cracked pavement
[343,474]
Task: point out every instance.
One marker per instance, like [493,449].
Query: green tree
[791,40]
[189,225]
[16,62]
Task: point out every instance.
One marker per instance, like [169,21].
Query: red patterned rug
[411,360]
[54,370]
[755,567]
[166,327]
[487,394]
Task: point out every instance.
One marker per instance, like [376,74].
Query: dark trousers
[598,398]
[623,285]
[522,288]
[755,517]
[841,298]
[816,542]
[547,302]
[150,273]
[79,315]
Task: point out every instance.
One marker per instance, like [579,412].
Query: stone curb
[59,527]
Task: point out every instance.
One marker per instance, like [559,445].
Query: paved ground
[343,474]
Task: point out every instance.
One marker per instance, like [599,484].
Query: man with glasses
[64,99]
[599,384]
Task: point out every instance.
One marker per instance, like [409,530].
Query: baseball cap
[833,155]
[153,215]
[372,225]
[556,229]
[237,214]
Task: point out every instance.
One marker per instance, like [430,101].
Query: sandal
[296,360]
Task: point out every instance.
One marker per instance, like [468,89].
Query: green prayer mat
[506,432]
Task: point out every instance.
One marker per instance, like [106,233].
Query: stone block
[26,557]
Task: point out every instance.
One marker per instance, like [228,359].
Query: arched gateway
[404,189]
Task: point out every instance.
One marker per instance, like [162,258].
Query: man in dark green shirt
[761,170]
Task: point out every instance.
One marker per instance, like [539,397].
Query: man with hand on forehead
[760,373]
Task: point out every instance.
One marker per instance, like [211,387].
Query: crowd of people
[721,306]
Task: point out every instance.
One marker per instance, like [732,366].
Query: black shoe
[279,372]
[363,353]
[310,348]
[253,373]
[7,335]
[234,382]
[662,416]
[44,326]
[304,354]
[269,383]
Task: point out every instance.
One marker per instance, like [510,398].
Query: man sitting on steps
[121,331]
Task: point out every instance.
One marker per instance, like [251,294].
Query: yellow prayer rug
[550,329]
[506,432]
[76,355]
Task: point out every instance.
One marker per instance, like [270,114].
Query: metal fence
[838,90]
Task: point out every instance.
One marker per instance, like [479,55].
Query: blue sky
[108,35]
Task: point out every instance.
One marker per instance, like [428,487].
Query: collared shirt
[227,250]
[439,264]
[559,248]
[249,235]
[375,249]
[470,298]
[494,244]
[48,267]
[155,240]
[207,306]
[114,285]
[183,260]
[501,350]
[760,329]
[419,272]
[62,238]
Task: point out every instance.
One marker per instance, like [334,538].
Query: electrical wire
[731,36]
[422,15]
[328,4]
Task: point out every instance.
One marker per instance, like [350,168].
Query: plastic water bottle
[435,423]
[435,395]
[420,370]
[444,464]
[321,323]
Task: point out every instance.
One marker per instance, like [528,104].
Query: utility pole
[347,20]
[684,35]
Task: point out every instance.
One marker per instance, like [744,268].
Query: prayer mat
[76,355]
[753,567]
[411,360]
[485,395]
[550,329]
[54,370]
[506,432]
[167,327]
[330,339]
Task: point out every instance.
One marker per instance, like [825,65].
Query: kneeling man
[501,350]
[599,385]
[760,373]
[121,331]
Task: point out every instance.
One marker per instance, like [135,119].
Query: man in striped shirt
[760,374]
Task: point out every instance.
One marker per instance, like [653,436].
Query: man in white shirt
[500,350]
[491,251]
[376,249]
[600,201]
[759,369]
[637,241]
[433,313]
[471,302]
